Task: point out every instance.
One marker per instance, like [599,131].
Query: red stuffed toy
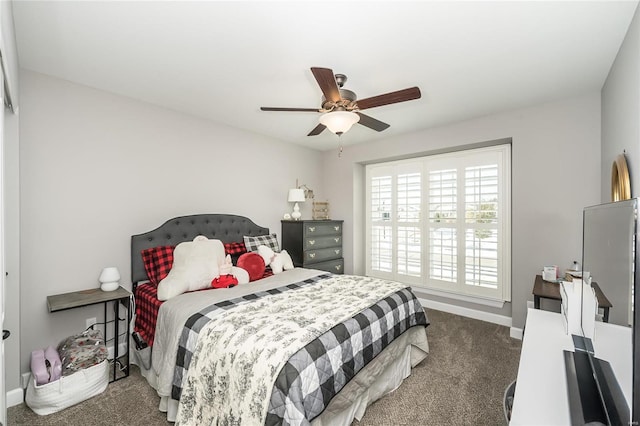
[224,281]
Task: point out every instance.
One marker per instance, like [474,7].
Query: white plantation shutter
[394,210]
[380,233]
[408,205]
[381,249]
[443,246]
[462,242]
[481,233]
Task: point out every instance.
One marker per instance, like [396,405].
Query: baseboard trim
[15,397]
[516,333]
[462,297]
[467,312]
[25,379]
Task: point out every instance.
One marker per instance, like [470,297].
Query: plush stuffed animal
[278,261]
[229,275]
[226,267]
[224,281]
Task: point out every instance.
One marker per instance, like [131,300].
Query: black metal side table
[77,299]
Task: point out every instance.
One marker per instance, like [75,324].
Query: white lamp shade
[109,278]
[109,274]
[339,121]
[296,195]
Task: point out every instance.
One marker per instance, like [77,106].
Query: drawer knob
[337,240]
[312,229]
[337,251]
[312,255]
[312,242]
[337,228]
[338,267]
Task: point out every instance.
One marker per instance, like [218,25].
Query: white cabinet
[541,388]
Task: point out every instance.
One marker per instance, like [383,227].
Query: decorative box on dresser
[314,244]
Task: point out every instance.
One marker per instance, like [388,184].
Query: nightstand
[78,299]
[547,290]
[315,244]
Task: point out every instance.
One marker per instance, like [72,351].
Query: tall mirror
[608,257]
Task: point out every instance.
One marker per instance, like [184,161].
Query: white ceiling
[223,60]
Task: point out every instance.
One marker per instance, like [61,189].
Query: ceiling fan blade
[289,109]
[317,130]
[372,123]
[327,82]
[390,98]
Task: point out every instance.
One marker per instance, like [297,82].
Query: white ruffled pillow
[195,265]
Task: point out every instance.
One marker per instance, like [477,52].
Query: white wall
[9,51]
[621,111]
[96,168]
[11,200]
[12,250]
[555,173]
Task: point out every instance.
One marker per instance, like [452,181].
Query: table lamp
[109,279]
[296,195]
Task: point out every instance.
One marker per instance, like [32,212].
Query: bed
[299,347]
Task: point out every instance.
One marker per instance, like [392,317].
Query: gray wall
[555,173]
[621,111]
[96,168]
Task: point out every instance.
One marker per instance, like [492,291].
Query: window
[461,244]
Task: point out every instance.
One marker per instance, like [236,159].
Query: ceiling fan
[340,107]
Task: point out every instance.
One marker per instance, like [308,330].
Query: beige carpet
[461,383]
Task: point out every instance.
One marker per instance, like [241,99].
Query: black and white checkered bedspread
[195,323]
[317,372]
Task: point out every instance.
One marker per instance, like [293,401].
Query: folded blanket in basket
[45,365]
[82,351]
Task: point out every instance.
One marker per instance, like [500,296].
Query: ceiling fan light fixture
[339,122]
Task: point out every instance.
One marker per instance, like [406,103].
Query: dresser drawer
[313,256]
[336,266]
[322,228]
[314,243]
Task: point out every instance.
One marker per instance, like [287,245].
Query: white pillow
[195,265]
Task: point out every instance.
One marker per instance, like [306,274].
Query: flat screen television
[610,257]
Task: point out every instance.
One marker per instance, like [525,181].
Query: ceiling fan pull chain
[340,151]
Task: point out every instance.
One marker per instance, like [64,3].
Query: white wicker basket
[68,390]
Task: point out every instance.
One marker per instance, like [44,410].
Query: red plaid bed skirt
[148,305]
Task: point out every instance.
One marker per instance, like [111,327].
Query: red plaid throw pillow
[157,262]
[235,248]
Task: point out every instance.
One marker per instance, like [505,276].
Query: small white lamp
[296,195]
[109,279]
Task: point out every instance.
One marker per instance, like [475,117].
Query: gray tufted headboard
[228,228]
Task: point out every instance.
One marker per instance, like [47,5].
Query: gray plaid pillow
[270,241]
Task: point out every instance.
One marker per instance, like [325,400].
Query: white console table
[541,389]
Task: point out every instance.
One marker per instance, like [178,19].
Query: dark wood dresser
[314,244]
